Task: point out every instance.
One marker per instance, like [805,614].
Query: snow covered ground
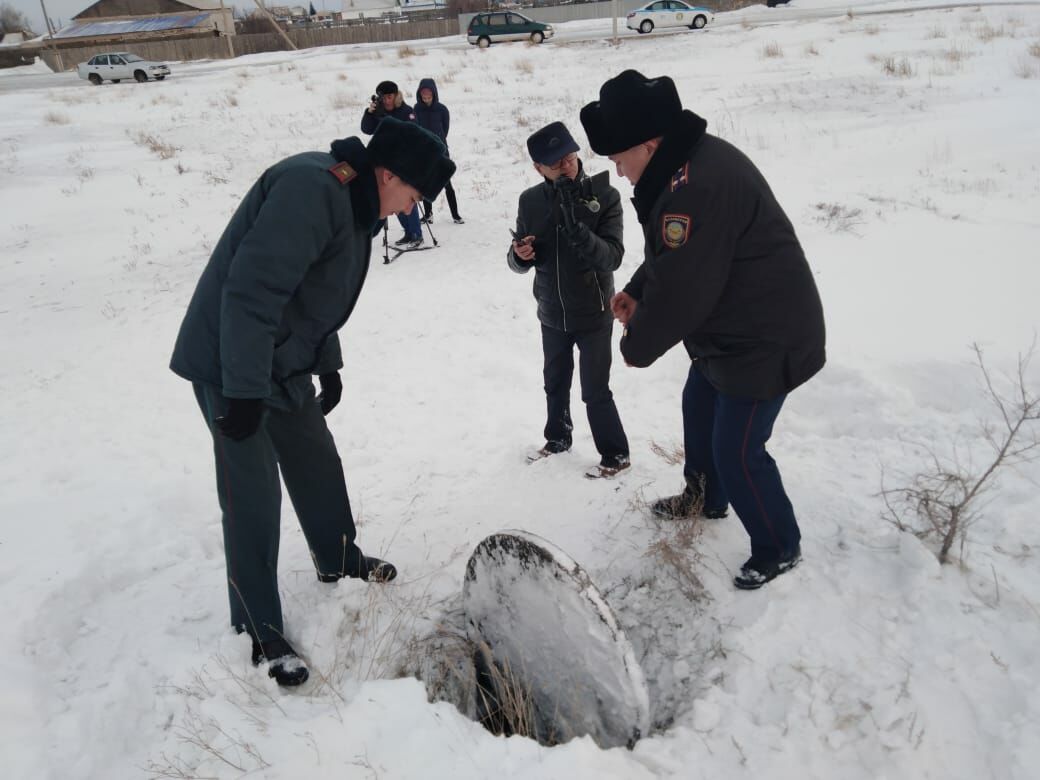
[903,147]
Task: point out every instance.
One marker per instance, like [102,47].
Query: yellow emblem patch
[343,172]
[675,229]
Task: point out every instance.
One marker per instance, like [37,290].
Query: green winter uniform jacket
[283,278]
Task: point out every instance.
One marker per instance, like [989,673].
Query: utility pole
[614,13]
[224,18]
[274,24]
[50,31]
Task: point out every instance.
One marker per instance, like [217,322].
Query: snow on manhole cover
[552,634]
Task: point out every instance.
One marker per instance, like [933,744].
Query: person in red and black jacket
[724,273]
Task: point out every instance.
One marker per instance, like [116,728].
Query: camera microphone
[592,204]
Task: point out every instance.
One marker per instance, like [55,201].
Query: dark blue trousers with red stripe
[725,439]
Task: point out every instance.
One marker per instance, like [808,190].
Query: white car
[669,13]
[118,65]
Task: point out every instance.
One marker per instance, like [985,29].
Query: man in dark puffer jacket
[433,115]
[574,244]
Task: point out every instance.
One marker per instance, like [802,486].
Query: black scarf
[674,150]
[364,195]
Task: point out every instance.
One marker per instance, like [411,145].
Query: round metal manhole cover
[541,618]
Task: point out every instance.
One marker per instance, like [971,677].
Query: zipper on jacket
[559,289]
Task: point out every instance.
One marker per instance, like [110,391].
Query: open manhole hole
[541,653]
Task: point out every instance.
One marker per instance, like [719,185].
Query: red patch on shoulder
[343,172]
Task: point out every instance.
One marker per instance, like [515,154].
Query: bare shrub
[849,15]
[341,102]
[403,52]
[1034,49]
[746,24]
[935,33]
[772,50]
[838,218]
[56,118]
[341,76]
[901,68]
[525,66]
[155,145]
[811,50]
[941,503]
[871,29]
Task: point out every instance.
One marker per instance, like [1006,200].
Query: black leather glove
[568,189]
[577,233]
[242,418]
[331,391]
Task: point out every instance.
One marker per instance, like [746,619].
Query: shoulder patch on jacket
[343,172]
[675,229]
[681,177]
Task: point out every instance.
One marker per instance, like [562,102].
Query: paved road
[571,32]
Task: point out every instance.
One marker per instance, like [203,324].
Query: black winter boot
[372,570]
[688,504]
[756,573]
[283,664]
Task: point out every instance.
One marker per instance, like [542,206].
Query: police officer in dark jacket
[388,101]
[433,115]
[569,230]
[282,280]
[724,274]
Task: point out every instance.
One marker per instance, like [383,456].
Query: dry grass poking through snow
[772,50]
[154,144]
[901,68]
[56,118]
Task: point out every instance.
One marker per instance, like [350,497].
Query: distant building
[127,21]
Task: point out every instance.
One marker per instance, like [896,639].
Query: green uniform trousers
[299,443]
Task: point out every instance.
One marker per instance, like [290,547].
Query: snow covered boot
[755,573]
[283,664]
[687,504]
[609,466]
[377,570]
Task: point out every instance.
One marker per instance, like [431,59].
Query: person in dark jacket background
[574,243]
[388,101]
[282,280]
[433,115]
[725,274]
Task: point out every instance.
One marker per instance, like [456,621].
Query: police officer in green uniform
[282,280]
[723,273]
